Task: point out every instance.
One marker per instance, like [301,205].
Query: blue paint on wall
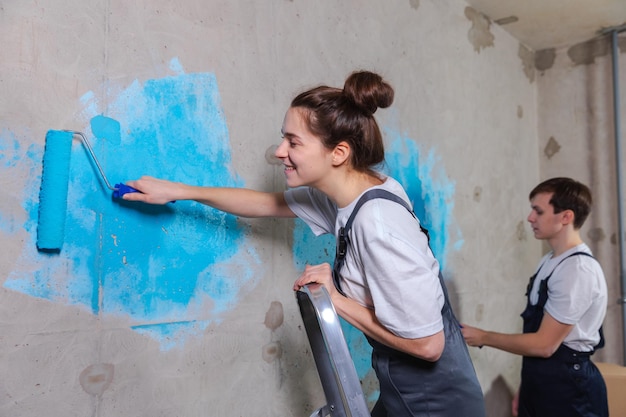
[431,193]
[172,269]
[428,187]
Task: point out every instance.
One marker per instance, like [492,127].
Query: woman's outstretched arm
[241,202]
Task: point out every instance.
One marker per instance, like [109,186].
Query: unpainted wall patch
[274,316]
[506,20]
[544,59]
[596,234]
[370,384]
[528,61]
[415,4]
[95,379]
[478,192]
[585,53]
[272,351]
[270,156]
[479,34]
[521,231]
[479,312]
[498,398]
[552,147]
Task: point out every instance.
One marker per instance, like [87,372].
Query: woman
[388,284]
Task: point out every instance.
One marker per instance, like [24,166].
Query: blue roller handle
[121,189]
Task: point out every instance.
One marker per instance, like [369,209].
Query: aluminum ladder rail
[335,367]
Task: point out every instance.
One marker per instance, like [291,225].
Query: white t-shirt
[577,295]
[389,266]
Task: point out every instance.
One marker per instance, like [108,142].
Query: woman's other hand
[319,274]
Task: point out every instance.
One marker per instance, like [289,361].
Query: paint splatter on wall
[431,192]
[171,268]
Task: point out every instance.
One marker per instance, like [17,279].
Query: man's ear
[341,153]
[568,217]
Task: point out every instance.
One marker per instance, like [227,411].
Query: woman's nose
[281,150]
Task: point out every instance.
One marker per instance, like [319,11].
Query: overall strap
[379,193]
[532,279]
[342,238]
[563,260]
[569,256]
[370,195]
[543,292]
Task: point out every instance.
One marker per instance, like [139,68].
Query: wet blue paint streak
[171,333]
[428,187]
[160,265]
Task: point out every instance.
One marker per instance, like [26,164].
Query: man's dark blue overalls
[567,384]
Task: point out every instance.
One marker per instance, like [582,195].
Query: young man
[567,300]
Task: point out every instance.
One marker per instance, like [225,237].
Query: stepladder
[340,381]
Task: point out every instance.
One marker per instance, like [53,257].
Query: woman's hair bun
[368,91]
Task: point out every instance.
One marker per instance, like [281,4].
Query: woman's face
[306,160]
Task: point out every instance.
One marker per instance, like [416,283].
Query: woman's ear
[341,153]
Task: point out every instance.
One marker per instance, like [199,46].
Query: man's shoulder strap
[574,254]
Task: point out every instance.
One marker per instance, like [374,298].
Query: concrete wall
[184,311]
[577,139]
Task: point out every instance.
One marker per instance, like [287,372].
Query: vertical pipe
[620,208]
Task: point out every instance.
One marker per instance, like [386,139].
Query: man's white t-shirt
[577,295]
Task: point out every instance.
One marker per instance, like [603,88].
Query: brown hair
[567,194]
[337,115]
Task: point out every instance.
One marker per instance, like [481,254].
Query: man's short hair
[567,194]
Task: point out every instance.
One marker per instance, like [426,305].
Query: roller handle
[121,189]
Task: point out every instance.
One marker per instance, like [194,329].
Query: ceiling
[543,24]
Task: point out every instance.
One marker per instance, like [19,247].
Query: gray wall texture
[184,311]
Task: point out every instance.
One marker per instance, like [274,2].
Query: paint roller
[54,187]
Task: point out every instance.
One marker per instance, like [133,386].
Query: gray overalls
[412,387]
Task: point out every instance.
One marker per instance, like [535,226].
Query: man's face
[544,222]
